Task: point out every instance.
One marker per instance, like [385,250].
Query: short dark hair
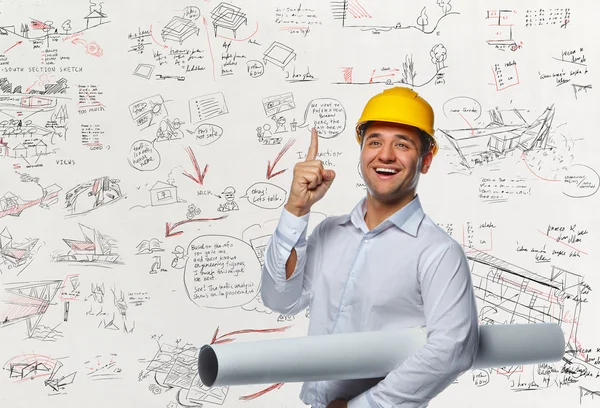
[424,137]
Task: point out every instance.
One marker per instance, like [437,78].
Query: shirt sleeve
[452,337]
[289,296]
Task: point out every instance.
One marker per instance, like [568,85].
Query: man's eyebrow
[398,135]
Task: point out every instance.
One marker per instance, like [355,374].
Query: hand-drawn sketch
[180,258]
[96,248]
[228,16]
[36,119]
[176,367]
[100,371]
[207,106]
[108,313]
[403,75]
[148,111]
[51,33]
[279,55]
[92,195]
[501,29]
[144,70]
[149,246]
[229,204]
[378,16]
[169,130]
[15,255]
[510,294]
[28,302]
[507,131]
[13,205]
[179,29]
[32,366]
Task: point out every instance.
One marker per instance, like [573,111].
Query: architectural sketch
[509,294]
[13,255]
[378,16]
[28,302]
[501,23]
[46,33]
[227,16]
[279,54]
[13,205]
[33,366]
[507,131]
[179,29]
[92,195]
[95,248]
[403,74]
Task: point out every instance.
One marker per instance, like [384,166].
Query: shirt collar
[408,218]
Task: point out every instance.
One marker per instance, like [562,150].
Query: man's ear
[426,162]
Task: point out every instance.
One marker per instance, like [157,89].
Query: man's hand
[338,403]
[311,181]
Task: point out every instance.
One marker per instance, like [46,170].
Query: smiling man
[385,265]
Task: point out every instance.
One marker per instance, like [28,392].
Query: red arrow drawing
[199,177]
[279,156]
[170,227]
[17,43]
[472,130]
[153,39]
[209,47]
[523,156]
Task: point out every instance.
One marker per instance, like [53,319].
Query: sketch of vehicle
[95,247]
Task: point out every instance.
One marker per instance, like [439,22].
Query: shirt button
[293,232]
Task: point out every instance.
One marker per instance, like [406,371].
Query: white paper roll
[370,354]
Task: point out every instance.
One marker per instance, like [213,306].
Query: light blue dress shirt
[406,272]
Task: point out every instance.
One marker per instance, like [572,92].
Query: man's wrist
[298,212]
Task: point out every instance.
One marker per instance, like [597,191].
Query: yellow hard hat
[399,105]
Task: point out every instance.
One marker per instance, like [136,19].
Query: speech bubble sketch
[191,12]
[327,115]
[464,107]
[206,133]
[265,195]
[143,156]
[581,181]
[221,272]
[255,68]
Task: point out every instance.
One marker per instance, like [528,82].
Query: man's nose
[386,153]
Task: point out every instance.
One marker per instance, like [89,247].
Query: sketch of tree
[445,5]
[66,26]
[408,70]
[423,20]
[25,30]
[47,28]
[438,56]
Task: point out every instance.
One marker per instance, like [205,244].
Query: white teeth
[391,171]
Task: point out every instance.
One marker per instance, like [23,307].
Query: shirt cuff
[363,400]
[291,228]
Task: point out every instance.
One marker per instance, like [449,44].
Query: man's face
[391,161]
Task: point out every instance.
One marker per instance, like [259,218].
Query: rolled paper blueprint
[371,354]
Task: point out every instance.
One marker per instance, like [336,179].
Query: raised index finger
[314,146]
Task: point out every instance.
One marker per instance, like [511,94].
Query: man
[386,265]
